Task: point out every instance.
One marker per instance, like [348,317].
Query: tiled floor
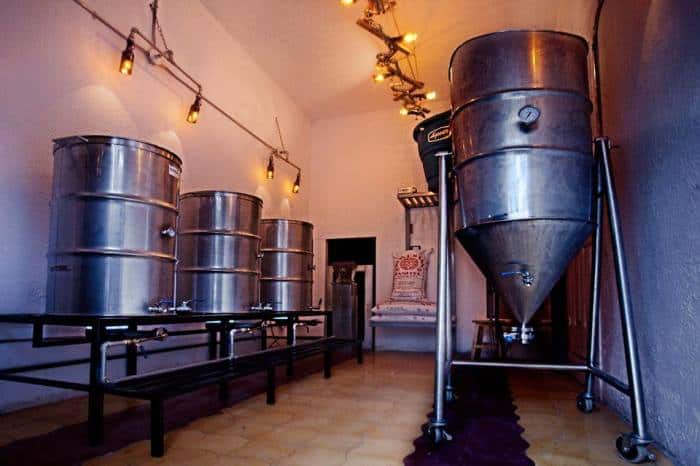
[364,415]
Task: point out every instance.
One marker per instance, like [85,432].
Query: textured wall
[59,72]
[651,101]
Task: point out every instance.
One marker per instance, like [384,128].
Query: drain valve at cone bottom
[527,277]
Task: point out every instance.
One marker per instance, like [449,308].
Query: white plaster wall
[58,69]
[358,162]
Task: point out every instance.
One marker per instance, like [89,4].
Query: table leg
[95,394]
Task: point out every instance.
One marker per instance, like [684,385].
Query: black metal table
[98,331]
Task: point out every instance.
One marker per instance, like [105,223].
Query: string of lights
[406,89]
[164,59]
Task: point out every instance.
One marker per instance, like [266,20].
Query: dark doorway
[361,252]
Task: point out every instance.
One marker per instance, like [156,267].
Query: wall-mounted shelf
[415,201]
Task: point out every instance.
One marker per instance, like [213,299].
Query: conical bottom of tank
[524,259]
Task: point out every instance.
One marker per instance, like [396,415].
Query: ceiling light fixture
[163,58]
[270,168]
[405,86]
[195,108]
[409,37]
[348,2]
[297,183]
[126,66]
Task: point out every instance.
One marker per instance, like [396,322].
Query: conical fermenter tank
[522,141]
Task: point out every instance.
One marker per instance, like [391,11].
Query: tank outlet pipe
[232,338]
[158,334]
[304,324]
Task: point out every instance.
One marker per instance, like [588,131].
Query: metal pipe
[594,317]
[634,376]
[300,346]
[610,379]
[449,298]
[438,421]
[596,66]
[44,382]
[523,365]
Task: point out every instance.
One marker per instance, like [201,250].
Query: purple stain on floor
[68,445]
[482,422]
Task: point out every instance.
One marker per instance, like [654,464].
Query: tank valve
[522,334]
[168,232]
[527,277]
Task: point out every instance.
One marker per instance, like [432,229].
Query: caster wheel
[633,453]
[585,404]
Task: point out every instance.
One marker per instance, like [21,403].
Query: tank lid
[116,141]
[286,220]
[211,193]
[428,121]
[506,31]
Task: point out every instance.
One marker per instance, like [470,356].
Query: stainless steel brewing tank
[287,264]
[218,247]
[522,140]
[113,219]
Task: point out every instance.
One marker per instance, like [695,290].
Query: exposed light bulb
[347,2]
[409,37]
[126,66]
[270,168]
[193,114]
[297,183]
[432,95]
[378,77]
[403,111]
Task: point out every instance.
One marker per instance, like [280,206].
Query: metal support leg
[290,342]
[212,344]
[263,337]
[132,354]
[449,304]
[437,423]
[586,400]
[632,446]
[96,395]
[225,349]
[157,428]
[328,353]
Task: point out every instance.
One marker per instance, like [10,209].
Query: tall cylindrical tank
[286,279]
[218,247]
[522,139]
[432,136]
[113,218]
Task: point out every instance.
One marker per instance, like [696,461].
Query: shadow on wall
[651,103]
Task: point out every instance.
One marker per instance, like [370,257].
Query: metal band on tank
[121,197]
[116,141]
[113,252]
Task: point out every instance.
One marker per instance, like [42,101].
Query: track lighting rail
[184,78]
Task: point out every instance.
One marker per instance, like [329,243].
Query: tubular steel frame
[634,445]
[218,328]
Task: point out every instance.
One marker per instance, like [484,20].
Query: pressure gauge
[528,114]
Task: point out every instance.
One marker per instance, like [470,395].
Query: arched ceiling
[320,57]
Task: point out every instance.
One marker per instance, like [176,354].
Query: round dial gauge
[528,114]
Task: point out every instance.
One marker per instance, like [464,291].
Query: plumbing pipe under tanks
[522,140]
[113,219]
[218,247]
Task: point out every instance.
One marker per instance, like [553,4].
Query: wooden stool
[478,342]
